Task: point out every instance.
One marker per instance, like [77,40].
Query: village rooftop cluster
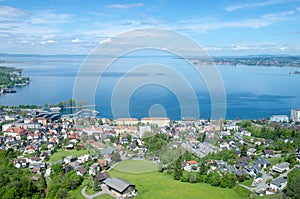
[39,134]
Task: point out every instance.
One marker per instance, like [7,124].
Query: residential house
[251,151]
[278,184]
[103,163]
[295,115]
[84,158]
[192,164]
[80,170]
[281,167]
[220,164]
[227,169]
[107,153]
[100,177]
[70,146]
[120,187]
[224,145]
[279,118]
[268,153]
[94,169]
[241,165]
[253,170]
[262,162]
[69,159]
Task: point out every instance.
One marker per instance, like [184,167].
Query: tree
[116,157]
[213,178]
[192,178]
[244,151]
[72,102]
[72,180]
[293,184]
[177,169]
[43,182]
[56,169]
[44,147]
[203,168]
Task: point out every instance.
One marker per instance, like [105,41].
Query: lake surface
[252,92]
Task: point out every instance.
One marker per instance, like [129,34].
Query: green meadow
[160,185]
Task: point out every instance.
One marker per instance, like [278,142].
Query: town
[68,155]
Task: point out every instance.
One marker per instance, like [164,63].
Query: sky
[231,27]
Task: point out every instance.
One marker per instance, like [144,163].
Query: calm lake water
[251,91]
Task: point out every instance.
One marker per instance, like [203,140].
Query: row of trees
[17,183]
[213,178]
[266,132]
[62,182]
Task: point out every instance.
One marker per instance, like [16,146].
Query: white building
[159,121]
[143,129]
[279,118]
[127,121]
[295,115]
[281,167]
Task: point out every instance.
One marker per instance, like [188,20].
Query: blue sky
[220,27]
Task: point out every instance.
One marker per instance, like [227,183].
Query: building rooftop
[282,165]
[279,181]
[118,184]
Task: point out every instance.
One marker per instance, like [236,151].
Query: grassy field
[77,192]
[63,153]
[248,183]
[274,161]
[136,166]
[161,185]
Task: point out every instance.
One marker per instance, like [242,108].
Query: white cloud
[212,48]
[24,42]
[255,4]
[201,25]
[49,17]
[48,42]
[126,6]
[298,9]
[77,40]
[106,41]
[8,12]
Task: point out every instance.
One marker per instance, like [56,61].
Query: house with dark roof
[107,152]
[227,169]
[120,187]
[278,184]
[268,153]
[241,165]
[100,177]
[262,163]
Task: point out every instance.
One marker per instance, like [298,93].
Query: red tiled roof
[192,162]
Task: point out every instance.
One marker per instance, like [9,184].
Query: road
[104,191]
[263,185]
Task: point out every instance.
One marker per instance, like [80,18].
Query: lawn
[60,154]
[248,183]
[274,161]
[161,185]
[136,166]
[77,192]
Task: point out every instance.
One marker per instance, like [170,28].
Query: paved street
[104,191]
